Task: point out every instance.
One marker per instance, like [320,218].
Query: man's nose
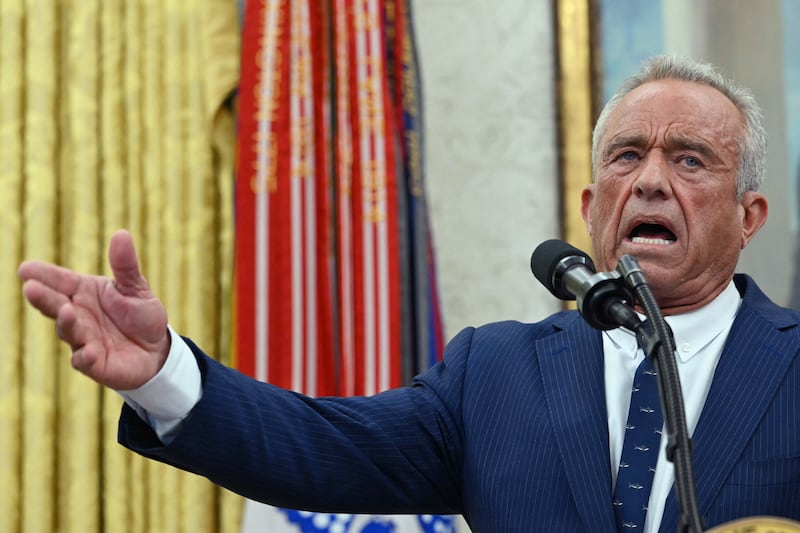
[653,181]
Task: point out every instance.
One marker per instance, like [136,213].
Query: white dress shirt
[166,400]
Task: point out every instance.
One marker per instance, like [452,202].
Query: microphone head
[548,265]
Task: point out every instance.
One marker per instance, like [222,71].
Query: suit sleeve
[396,452]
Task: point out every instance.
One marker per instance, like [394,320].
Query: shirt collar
[693,330]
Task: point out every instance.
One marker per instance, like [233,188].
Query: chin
[660,282]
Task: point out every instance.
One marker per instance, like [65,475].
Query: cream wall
[491,166]
[487,70]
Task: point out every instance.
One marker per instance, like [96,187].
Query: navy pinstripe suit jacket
[509,430]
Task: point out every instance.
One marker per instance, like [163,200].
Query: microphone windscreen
[545,259]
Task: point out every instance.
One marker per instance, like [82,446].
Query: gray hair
[753,143]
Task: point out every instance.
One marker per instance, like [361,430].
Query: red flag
[328,193]
[283,286]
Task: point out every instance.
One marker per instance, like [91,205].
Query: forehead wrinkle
[673,141]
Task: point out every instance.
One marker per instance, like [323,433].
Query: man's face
[665,191]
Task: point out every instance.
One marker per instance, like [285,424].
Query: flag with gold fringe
[335,290]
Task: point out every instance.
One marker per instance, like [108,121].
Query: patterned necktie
[639,451]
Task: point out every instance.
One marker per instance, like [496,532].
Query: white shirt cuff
[166,400]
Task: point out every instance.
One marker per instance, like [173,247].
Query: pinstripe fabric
[747,441]
[510,430]
[572,363]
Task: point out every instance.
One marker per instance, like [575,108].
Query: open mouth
[652,234]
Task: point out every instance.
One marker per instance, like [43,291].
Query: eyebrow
[682,143]
[635,140]
[674,142]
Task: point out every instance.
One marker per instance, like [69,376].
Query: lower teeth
[644,240]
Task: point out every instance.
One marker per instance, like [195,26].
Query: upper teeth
[644,240]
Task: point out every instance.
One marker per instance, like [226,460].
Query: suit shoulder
[512,331]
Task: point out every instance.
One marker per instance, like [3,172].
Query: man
[522,427]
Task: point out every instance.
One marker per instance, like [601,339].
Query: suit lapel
[571,361]
[752,365]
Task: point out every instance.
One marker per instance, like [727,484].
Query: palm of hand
[117,328]
[117,337]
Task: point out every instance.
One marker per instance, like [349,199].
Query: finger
[83,359]
[68,327]
[44,298]
[125,264]
[57,278]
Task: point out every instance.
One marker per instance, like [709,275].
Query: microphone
[603,299]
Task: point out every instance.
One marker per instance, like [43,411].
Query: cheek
[721,222]
[605,209]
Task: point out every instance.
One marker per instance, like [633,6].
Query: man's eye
[691,161]
[628,156]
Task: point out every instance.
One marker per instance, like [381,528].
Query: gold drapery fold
[11,222]
[113,113]
[39,131]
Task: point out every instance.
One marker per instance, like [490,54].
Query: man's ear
[587,195]
[754,214]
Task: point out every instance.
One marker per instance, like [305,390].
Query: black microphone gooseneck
[606,301]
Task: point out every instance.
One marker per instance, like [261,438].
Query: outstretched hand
[116,327]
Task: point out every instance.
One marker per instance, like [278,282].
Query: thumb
[125,265]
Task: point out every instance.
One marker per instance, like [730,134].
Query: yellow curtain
[112,114]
